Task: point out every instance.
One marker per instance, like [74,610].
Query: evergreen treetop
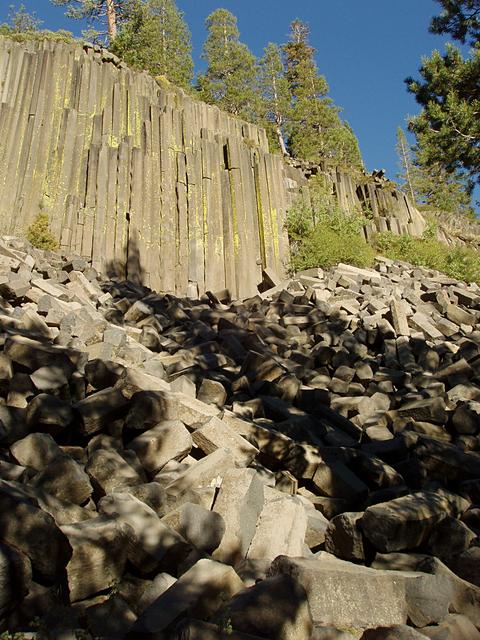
[459,18]
[230,78]
[107,14]
[155,37]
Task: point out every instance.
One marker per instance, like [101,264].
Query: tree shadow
[131,268]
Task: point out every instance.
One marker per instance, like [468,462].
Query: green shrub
[44,34]
[461,263]
[39,234]
[326,236]
[325,247]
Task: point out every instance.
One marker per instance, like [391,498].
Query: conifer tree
[275,95]
[156,37]
[437,187]
[20,20]
[315,129]
[97,12]
[229,80]
[448,126]
[429,184]
[459,18]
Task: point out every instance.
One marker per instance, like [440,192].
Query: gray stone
[108,470]
[100,409]
[65,479]
[406,522]
[134,380]
[201,591]
[459,316]
[99,552]
[199,630]
[13,425]
[33,354]
[204,529]
[49,413]
[454,627]
[430,410]
[212,392]
[151,407]
[344,539]
[396,632]
[317,525]
[207,472]
[151,543]
[345,595]
[15,578]
[32,531]
[215,434]
[239,502]
[151,493]
[335,480]
[49,379]
[102,374]
[166,441]
[281,527]
[466,565]
[466,418]
[36,450]
[161,583]
[450,537]
[110,619]
[274,608]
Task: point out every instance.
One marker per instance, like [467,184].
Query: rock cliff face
[387,208]
[141,179]
[150,184]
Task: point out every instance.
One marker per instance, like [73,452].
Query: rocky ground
[302,465]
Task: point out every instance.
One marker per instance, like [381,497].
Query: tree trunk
[281,141]
[111,19]
[406,164]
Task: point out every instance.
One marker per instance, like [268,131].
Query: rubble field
[300,465]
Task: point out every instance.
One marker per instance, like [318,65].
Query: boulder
[151,542]
[281,527]
[406,522]
[345,595]
[26,527]
[99,552]
[15,578]
[276,607]
[199,592]
[239,502]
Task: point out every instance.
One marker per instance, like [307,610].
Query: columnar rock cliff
[386,208]
[149,183]
[140,178]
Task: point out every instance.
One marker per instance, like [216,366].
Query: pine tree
[156,37]
[310,106]
[97,12]
[459,18]
[20,20]
[448,126]
[275,95]
[437,187]
[229,80]
[315,129]
[442,191]
[429,184]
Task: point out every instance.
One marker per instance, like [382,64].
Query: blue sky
[365,50]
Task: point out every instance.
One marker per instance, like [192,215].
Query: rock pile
[301,465]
